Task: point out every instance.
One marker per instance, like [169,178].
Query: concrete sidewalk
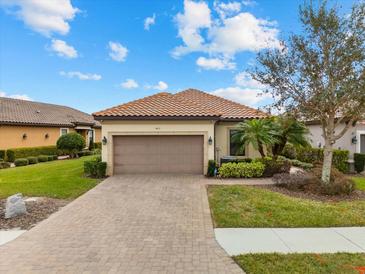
[237,241]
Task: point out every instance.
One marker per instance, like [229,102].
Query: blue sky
[95,54]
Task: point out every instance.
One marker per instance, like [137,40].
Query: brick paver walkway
[128,224]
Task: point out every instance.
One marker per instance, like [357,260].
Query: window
[234,148]
[63,131]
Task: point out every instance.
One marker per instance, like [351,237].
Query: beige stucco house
[171,133]
[353,140]
[32,124]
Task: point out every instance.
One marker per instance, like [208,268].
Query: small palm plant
[259,132]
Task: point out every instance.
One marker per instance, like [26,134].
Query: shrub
[25,152]
[293,181]
[241,170]
[297,163]
[359,159]
[84,153]
[235,160]
[97,145]
[55,157]
[50,157]
[274,166]
[340,160]
[2,154]
[21,162]
[95,168]
[10,155]
[32,160]
[71,143]
[289,151]
[4,165]
[97,151]
[212,165]
[42,158]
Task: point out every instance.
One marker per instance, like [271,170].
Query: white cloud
[227,34]
[161,85]
[214,63]
[15,96]
[117,51]
[43,16]
[63,49]
[250,97]
[196,16]
[149,21]
[227,9]
[81,76]
[244,79]
[249,3]
[129,84]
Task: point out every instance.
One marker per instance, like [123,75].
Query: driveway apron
[127,224]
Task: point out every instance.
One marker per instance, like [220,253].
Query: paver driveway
[127,224]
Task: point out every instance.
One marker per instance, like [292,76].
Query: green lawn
[244,206]
[339,263]
[57,179]
[360,182]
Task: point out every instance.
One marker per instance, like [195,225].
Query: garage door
[158,154]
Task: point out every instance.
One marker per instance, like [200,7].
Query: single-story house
[32,124]
[353,140]
[171,133]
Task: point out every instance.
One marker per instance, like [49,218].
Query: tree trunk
[261,150]
[327,162]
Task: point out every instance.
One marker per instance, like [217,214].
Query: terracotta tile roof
[187,103]
[21,112]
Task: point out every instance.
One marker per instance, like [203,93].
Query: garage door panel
[158,154]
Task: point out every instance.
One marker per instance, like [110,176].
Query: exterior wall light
[24,136]
[210,140]
[104,141]
[354,140]
[46,136]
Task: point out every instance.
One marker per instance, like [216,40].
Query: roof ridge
[164,93]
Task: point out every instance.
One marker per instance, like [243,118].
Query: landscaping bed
[337,263]
[247,206]
[38,209]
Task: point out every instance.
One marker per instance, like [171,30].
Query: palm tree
[290,131]
[258,132]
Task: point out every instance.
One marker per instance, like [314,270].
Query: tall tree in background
[319,73]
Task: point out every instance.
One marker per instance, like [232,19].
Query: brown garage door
[158,154]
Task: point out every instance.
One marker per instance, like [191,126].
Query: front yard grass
[338,263]
[244,206]
[360,182]
[62,179]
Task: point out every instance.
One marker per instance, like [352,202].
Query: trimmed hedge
[50,157]
[2,154]
[21,162]
[32,160]
[24,152]
[84,153]
[314,155]
[95,168]
[42,158]
[359,159]
[4,165]
[242,170]
[235,160]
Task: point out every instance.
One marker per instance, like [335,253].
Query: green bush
[212,165]
[95,168]
[297,163]
[10,155]
[235,160]
[289,151]
[359,159]
[55,157]
[2,154]
[97,145]
[242,170]
[42,158]
[71,143]
[84,153]
[21,162]
[32,160]
[274,166]
[4,165]
[50,157]
[25,152]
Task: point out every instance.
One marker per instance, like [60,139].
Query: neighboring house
[353,140]
[171,133]
[32,124]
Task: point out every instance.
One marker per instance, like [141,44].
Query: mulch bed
[37,211]
[356,195]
